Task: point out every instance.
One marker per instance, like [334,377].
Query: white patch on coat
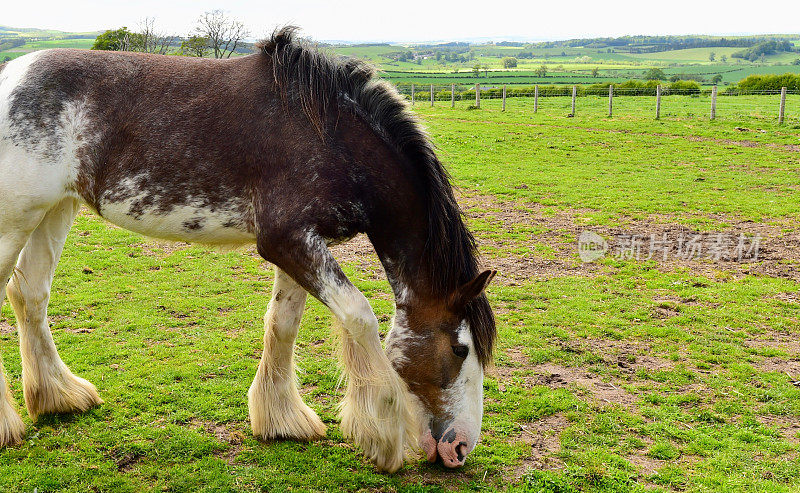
[27,182]
[399,338]
[464,396]
[213,227]
[75,134]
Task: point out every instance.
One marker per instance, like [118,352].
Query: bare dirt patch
[791,366]
[6,328]
[226,433]
[778,253]
[787,426]
[602,393]
[543,436]
[788,342]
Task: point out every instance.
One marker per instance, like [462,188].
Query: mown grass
[171,337]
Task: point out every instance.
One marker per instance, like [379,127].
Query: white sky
[356,20]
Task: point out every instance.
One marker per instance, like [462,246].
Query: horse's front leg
[377,413]
[276,408]
[48,384]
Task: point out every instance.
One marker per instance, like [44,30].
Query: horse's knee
[284,313]
[360,321]
[25,297]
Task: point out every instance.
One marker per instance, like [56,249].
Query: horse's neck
[402,259]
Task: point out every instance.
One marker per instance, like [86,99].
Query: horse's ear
[472,289]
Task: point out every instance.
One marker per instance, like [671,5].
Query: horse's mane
[319,80]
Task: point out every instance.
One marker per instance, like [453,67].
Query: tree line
[652,44]
[215,33]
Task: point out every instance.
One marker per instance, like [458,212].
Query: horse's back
[152,143]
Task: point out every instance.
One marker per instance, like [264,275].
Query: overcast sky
[424,20]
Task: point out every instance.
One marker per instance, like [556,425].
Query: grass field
[617,375]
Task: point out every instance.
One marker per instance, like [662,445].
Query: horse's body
[287,148]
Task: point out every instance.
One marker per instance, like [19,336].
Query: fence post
[431,95]
[504,97]
[478,95]
[783,106]
[574,95]
[610,100]
[412,94]
[536,98]
[713,102]
[658,101]
[452,95]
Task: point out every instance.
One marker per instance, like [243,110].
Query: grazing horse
[291,149]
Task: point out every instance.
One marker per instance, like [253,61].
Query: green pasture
[82,43]
[697,359]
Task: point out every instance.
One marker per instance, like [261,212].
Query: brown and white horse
[291,149]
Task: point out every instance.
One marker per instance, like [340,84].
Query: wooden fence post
[478,95]
[713,102]
[431,95]
[536,98]
[658,101]
[452,95]
[610,100]
[574,95]
[783,106]
[504,97]
[412,94]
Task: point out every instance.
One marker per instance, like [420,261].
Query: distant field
[692,55]
[58,43]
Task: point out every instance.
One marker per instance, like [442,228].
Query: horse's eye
[461,350]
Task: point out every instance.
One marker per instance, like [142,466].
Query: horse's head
[440,349]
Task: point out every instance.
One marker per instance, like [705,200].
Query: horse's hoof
[11,426]
[61,393]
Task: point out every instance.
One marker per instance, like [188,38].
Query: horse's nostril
[461,451]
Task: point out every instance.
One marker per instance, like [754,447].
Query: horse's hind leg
[376,412]
[11,243]
[16,224]
[49,386]
[276,408]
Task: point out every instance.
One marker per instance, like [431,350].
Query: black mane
[319,79]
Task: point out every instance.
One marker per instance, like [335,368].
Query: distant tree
[485,70]
[724,58]
[796,61]
[655,74]
[120,39]
[476,69]
[147,39]
[717,79]
[712,56]
[541,71]
[595,72]
[153,40]
[509,62]
[224,33]
[196,46]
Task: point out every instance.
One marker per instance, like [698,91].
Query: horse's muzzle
[452,447]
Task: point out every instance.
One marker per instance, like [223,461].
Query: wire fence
[662,101]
